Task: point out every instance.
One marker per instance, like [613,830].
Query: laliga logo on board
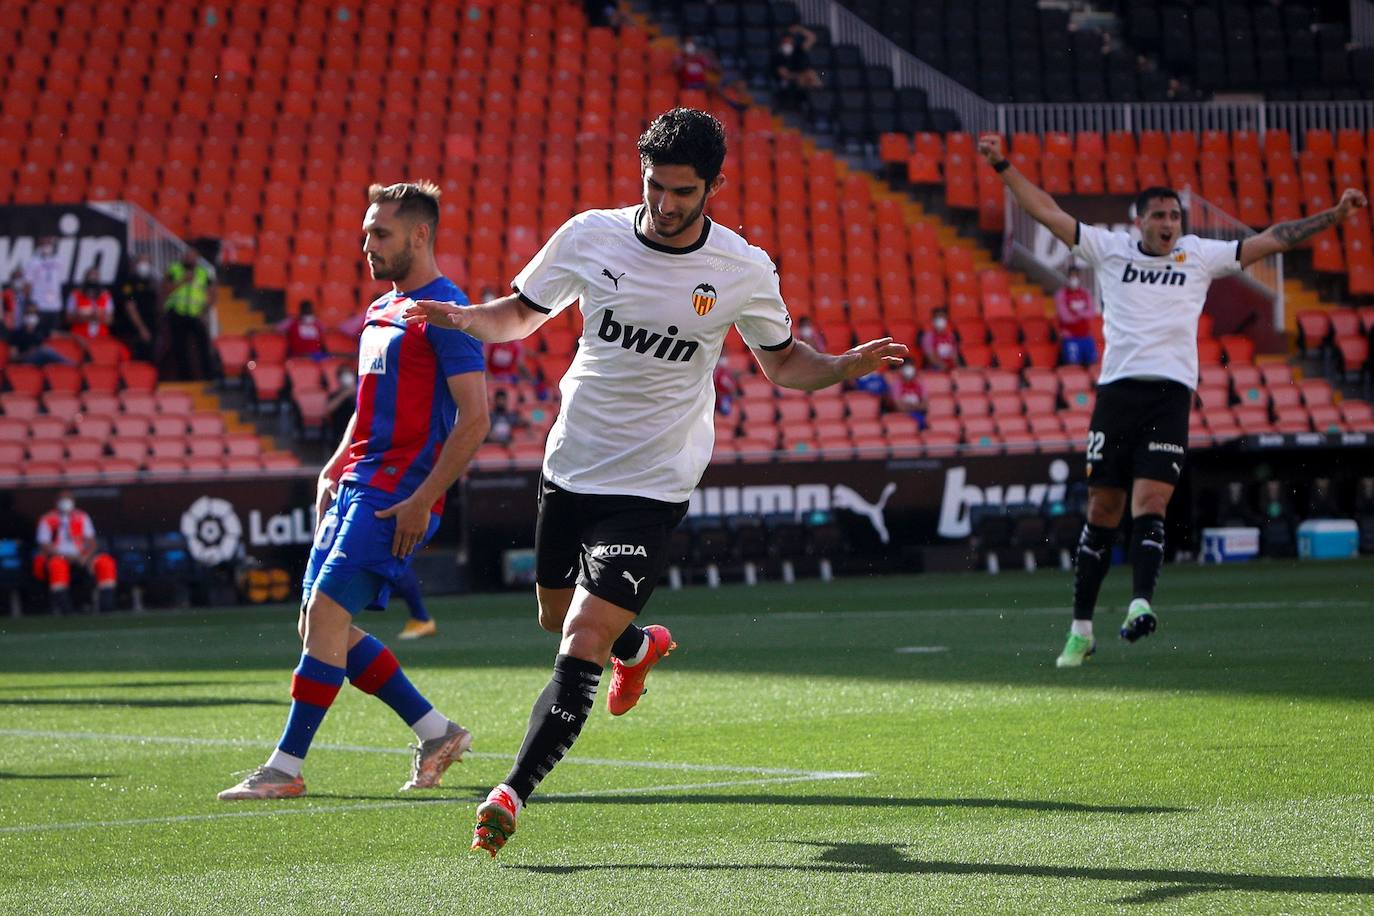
[214,533]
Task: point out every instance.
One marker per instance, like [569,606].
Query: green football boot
[1140,621]
[1076,651]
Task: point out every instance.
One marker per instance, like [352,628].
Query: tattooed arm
[1284,236]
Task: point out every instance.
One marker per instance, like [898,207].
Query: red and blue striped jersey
[405,410]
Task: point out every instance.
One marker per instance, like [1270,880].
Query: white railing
[1210,221]
[146,236]
[977,113]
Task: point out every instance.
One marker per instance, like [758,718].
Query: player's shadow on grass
[144,703]
[888,859]
[83,776]
[836,801]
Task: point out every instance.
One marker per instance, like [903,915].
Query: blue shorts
[352,561]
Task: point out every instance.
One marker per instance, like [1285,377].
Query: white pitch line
[770,776]
[362,749]
[1051,609]
[413,803]
[920,650]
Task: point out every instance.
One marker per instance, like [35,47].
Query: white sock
[430,726]
[639,656]
[519,803]
[1082,628]
[287,763]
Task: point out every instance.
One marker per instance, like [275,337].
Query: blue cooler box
[1229,545]
[1328,539]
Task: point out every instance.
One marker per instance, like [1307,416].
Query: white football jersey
[1151,304]
[638,400]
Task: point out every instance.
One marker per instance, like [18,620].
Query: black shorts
[1139,429]
[615,547]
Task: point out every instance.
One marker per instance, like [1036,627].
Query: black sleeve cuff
[1239,242]
[776,347]
[1077,231]
[531,304]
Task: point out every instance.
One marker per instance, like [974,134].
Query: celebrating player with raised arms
[660,286]
[1153,291]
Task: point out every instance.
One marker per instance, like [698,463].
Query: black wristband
[1001,166]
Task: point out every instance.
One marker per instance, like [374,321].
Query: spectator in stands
[874,383]
[90,308]
[909,395]
[304,337]
[603,14]
[1234,510]
[506,361]
[29,342]
[14,302]
[726,383]
[938,343]
[1321,500]
[136,319]
[44,273]
[792,66]
[504,419]
[736,94]
[694,67]
[1276,520]
[188,290]
[1075,310]
[808,333]
[67,546]
[342,400]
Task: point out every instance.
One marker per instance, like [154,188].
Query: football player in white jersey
[1152,294]
[660,286]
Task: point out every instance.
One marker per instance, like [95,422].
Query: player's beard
[398,267]
[688,219]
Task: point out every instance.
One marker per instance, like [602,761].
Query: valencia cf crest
[703,298]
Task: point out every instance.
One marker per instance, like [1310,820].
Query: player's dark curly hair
[685,136]
[1143,199]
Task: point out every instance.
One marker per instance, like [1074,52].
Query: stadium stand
[260,126]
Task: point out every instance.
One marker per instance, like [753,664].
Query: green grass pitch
[888,745]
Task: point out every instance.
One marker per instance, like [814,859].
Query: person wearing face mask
[938,343]
[1075,310]
[304,337]
[792,66]
[909,395]
[67,547]
[16,301]
[44,272]
[1153,287]
[29,342]
[694,67]
[90,308]
[136,320]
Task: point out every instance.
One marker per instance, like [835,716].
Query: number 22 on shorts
[1096,440]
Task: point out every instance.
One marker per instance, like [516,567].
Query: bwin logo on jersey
[642,340]
[1165,277]
[704,298]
